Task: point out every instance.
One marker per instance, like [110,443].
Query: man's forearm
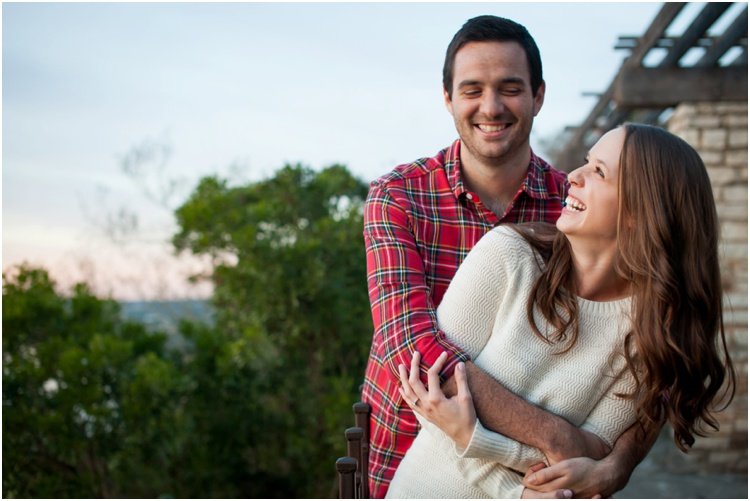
[629,450]
[505,412]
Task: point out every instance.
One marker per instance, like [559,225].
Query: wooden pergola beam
[664,87]
[654,32]
[710,13]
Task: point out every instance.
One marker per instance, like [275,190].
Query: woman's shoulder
[508,238]
[504,245]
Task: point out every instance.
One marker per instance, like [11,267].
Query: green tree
[84,393]
[276,377]
[252,406]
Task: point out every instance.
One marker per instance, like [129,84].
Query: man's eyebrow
[513,80]
[504,81]
[467,83]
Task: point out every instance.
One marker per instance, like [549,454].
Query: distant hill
[166,315]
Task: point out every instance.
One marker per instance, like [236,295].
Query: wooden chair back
[352,468]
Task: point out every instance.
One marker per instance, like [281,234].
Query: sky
[113,112]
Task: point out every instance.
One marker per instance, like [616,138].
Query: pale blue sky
[246,85]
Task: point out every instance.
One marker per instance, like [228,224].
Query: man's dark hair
[493,29]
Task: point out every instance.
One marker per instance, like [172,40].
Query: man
[420,222]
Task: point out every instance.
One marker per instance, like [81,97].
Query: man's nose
[492,104]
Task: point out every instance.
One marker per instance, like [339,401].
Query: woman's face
[591,207]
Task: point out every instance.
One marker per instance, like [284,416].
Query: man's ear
[539,98]
[447,101]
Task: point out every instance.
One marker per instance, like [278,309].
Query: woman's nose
[576,177]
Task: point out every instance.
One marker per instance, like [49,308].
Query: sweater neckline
[604,307]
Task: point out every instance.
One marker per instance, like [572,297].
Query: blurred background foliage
[252,405]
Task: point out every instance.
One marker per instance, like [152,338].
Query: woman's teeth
[575,204]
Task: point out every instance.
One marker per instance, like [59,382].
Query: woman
[609,319]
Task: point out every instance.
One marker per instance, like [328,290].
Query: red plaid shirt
[419,224]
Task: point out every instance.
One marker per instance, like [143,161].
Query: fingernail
[460,366]
[568,493]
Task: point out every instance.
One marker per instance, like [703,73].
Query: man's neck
[495,183]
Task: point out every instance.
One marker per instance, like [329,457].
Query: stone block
[712,442]
[734,276]
[735,120]
[735,193]
[724,457]
[735,300]
[712,158]
[736,158]
[737,339]
[735,316]
[732,211]
[720,176]
[706,107]
[682,111]
[729,107]
[706,121]
[740,344]
[732,251]
[691,136]
[738,138]
[732,231]
[713,139]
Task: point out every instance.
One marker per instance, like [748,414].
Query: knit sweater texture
[484,312]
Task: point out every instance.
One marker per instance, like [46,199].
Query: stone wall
[718,131]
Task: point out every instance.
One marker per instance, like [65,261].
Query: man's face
[492,103]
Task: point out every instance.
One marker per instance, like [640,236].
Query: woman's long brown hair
[668,235]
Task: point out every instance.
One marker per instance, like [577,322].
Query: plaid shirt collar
[534,185]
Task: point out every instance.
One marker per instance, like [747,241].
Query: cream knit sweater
[484,312]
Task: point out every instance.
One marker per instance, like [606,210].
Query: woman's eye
[600,172]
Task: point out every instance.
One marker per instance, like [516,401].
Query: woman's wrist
[462,436]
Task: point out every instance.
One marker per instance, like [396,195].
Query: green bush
[251,406]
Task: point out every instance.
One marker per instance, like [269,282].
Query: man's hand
[505,412]
[455,416]
[580,444]
[584,476]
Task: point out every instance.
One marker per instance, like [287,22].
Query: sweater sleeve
[470,305]
[487,444]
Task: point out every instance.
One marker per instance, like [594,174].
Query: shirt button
[470,196]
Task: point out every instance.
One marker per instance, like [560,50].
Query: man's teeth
[491,128]
[574,204]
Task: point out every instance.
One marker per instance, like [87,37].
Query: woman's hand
[455,416]
[583,476]
[559,494]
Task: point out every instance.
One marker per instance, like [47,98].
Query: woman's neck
[594,272]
